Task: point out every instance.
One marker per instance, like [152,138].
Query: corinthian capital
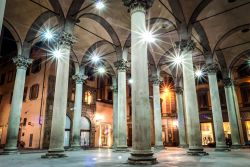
[227,82]
[79,78]
[121,65]
[22,62]
[114,88]
[211,68]
[178,90]
[156,80]
[67,39]
[187,45]
[146,4]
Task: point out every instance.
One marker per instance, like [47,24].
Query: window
[25,93]
[31,139]
[10,76]
[245,94]
[36,66]
[88,97]
[2,79]
[24,121]
[34,90]
[1,97]
[11,95]
[203,99]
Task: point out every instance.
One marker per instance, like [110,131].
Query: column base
[160,147]
[121,149]
[183,146]
[75,148]
[236,146]
[142,158]
[222,148]
[57,153]
[196,152]
[10,151]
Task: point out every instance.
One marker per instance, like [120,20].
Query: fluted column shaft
[235,134]
[16,105]
[157,113]
[216,108]
[190,97]
[56,147]
[2,9]
[141,137]
[181,117]
[79,79]
[115,112]
[122,106]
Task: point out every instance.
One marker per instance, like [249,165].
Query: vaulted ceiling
[217,26]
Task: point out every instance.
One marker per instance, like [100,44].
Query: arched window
[88,97]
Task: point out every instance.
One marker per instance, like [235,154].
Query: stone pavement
[172,157]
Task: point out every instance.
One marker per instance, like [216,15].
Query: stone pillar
[79,78]
[235,134]
[181,117]
[115,111]
[121,66]
[56,147]
[216,108]
[157,113]
[16,105]
[2,9]
[190,97]
[141,137]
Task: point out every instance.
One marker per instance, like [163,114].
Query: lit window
[34,90]
[88,97]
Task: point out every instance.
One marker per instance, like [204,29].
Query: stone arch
[15,34]
[115,39]
[32,32]
[227,34]
[149,22]
[92,129]
[237,59]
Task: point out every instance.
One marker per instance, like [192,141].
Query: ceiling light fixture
[101,70]
[48,35]
[95,58]
[57,53]
[99,4]
[130,81]
[148,36]
[198,73]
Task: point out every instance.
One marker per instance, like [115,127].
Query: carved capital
[22,62]
[211,68]
[114,88]
[179,90]
[132,4]
[186,45]
[156,80]
[227,82]
[67,39]
[79,78]
[121,65]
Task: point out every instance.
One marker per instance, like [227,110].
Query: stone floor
[172,157]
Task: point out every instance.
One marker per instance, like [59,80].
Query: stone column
[56,147]
[121,66]
[157,113]
[2,9]
[181,117]
[115,111]
[79,78]
[216,108]
[141,137]
[235,134]
[16,105]
[190,97]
